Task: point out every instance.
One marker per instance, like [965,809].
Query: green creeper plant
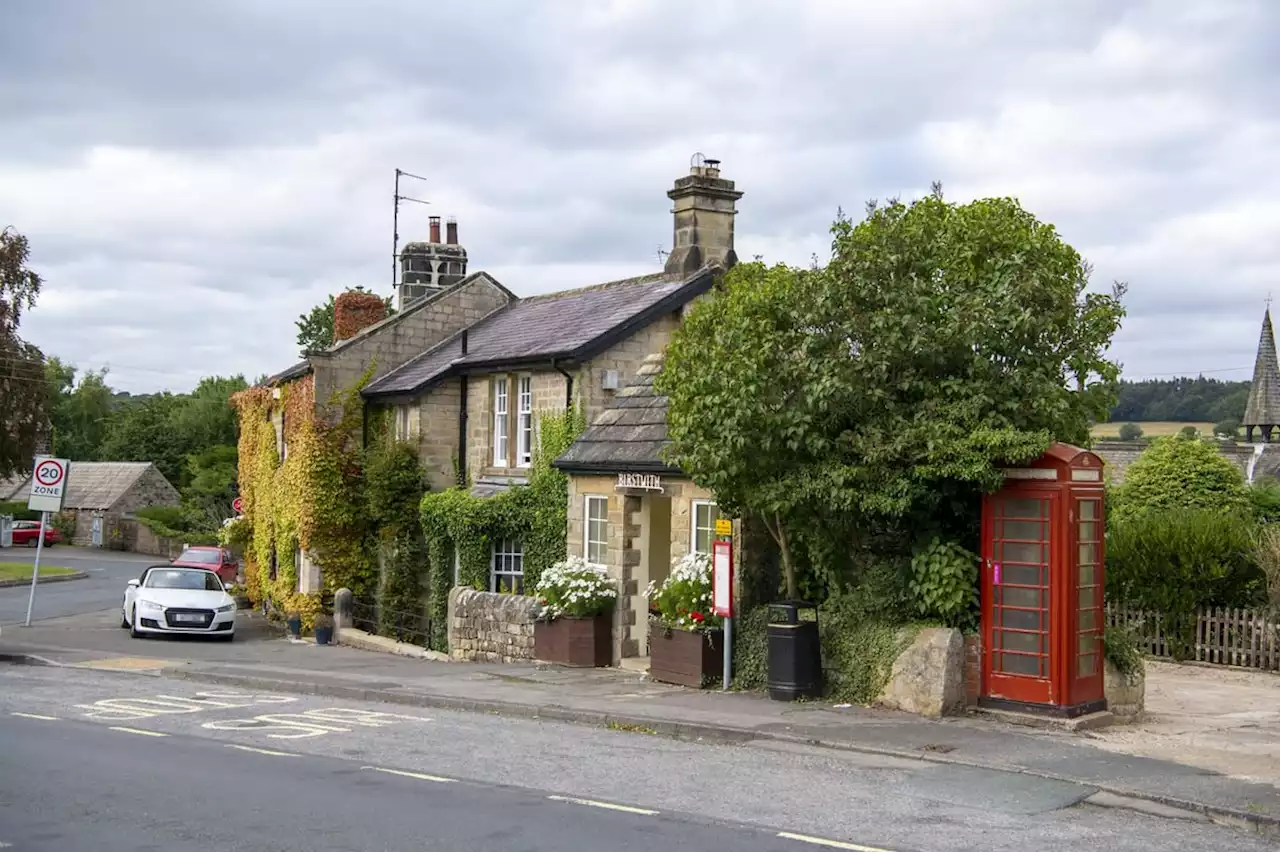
[944,584]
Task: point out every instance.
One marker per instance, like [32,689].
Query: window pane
[1087,643]
[1088,619]
[1029,642]
[1088,510]
[1025,530]
[1021,619]
[1027,598]
[1024,508]
[1088,575]
[1088,531]
[1021,575]
[1086,597]
[1088,665]
[1014,552]
[1088,554]
[1020,664]
[702,541]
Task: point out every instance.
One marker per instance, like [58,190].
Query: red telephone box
[1042,570]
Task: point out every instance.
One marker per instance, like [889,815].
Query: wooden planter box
[575,641]
[686,658]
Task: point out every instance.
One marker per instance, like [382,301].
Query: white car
[170,599]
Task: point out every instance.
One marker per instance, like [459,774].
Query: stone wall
[625,356]
[390,343]
[436,430]
[489,627]
[143,540]
[150,489]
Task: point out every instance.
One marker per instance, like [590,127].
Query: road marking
[262,750]
[124,664]
[418,775]
[606,805]
[312,723]
[138,731]
[35,716]
[830,844]
[121,709]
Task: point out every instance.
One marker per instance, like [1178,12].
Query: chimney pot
[451,229]
[435,228]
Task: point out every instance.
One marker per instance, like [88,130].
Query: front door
[1017,549]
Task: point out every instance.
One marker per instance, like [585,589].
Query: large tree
[940,342]
[79,412]
[24,397]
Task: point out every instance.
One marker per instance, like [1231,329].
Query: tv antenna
[395,221]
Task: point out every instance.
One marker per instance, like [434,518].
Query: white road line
[138,731]
[262,750]
[418,775]
[830,844]
[606,805]
[35,716]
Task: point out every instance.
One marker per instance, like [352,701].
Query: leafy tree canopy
[940,342]
[23,396]
[1184,399]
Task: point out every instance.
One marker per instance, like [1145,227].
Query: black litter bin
[795,651]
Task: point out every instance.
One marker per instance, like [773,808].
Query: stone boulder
[928,677]
[1126,694]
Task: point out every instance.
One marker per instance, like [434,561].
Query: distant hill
[1183,400]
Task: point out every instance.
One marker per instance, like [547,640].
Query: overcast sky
[193,175]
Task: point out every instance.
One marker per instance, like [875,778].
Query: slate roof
[572,325]
[95,485]
[1263,408]
[629,435]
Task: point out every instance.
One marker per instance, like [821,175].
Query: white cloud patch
[187,198]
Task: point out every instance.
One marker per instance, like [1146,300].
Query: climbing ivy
[458,524]
[311,500]
[394,485]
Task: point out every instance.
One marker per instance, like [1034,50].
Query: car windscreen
[204,557]
[176,578]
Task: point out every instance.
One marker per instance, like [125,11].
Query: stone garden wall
[485,627]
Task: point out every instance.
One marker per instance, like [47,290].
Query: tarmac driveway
[108,573]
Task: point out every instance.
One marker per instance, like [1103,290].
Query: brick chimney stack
[451,231]
[435,228]
[704,209]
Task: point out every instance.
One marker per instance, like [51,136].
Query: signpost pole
[728,652]
[35,568]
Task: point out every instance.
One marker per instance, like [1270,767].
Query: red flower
[697,616]
[682,612]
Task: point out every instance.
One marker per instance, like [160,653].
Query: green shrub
[18,510]
[1123,650]
[751,649]
[1175,561]
[858,652]
[1264,496]
[944,584]
[1130,432]
[167,516]
[1176,473]
[1228,428]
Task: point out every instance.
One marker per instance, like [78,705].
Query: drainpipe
[568,384]
[462,421]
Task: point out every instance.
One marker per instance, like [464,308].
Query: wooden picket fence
[1227,637]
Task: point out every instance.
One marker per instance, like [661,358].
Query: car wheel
[133,626]
[124,617]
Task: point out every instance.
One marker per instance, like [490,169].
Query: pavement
[262,660]
[95,760]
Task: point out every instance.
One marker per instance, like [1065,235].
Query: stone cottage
[102,496]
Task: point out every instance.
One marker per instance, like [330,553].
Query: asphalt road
[108,573]
[90,760]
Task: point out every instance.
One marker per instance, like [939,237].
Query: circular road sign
[50,472]
[237,505]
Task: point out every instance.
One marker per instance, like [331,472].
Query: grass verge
[22,571]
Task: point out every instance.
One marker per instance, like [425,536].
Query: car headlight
[226,608]
[150,606]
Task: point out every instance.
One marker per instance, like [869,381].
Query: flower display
[575,588]
[683,600]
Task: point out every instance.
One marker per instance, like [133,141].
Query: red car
[28,533]
[217,559]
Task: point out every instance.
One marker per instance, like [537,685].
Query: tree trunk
[779,533]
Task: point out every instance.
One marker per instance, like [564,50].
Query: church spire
[1263,408]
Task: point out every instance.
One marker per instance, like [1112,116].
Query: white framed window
[402,423]
[595,544]
[524,422]
[500,422]
[705,513]
[506,567]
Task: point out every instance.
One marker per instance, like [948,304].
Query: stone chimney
[427,268]
[705,205]
[354,311]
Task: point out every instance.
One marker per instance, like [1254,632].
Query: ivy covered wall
[456,522]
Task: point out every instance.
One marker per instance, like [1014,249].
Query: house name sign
[639,482]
